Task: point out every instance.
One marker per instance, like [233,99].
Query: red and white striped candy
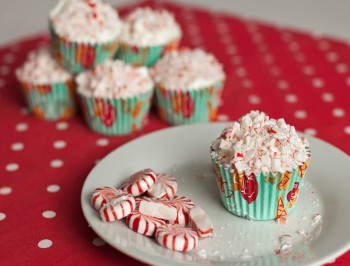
[159,208]
[143,224]
[164,187]
[183,206]
[117,208]
[200,222]
[139,182]
[102,195]
[176,237]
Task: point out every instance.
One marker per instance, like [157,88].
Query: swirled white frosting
[188,69]
[149,27]
[257,143]
[41,68]
[88,21]
[114,79]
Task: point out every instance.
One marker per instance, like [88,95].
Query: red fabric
[265,66]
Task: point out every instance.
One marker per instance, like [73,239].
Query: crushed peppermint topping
[257,143]
[41,68]
[147,27]
[114,79]
[188,69]
[86,21]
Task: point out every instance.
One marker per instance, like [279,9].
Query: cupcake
[188,86]
[260,165]
[84,33]
[115,97]
[48,88]
[146,35]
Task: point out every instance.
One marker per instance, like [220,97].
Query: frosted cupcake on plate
[260,166]
[146,35]
[84,33]
[48,88]
[115,97]
[188,87]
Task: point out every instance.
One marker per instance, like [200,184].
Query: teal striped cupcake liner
[143,55]
[258,197]
[116,117]
[77,57]
[51,101]
[190,106]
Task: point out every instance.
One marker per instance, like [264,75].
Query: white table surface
[20,18]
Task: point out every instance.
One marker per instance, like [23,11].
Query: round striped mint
[101,196]
[139,182]
[183,206]
[143,224]
[164,187]
[117,208]
[176,237]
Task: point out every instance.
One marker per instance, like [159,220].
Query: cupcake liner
[116,116]
[144,55]
[51,101]
[77,57]
[188,106]
[258,197]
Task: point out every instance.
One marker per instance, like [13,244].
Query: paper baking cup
[77,57]
[116,116]
[143,55]
[258,197]
[52,101]
[179,107]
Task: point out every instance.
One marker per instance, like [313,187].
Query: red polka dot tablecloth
[299,76]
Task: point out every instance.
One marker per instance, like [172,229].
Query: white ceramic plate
[184,152]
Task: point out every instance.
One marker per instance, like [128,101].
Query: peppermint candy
[200,222]
[164,187]
[183,206]
[117,208]
[143,224]
[159,208]
[101,196]
[139,182]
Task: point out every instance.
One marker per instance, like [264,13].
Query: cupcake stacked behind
[48,88]
[146,35]
[84,33]
[188,86]
[115,97]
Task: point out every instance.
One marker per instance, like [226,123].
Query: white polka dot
[310,131]
[282,84]
[9,58]
[2,83]
[59,144]
[247,83]
[291,98]
[5,70]
[241,72]
[222,118]
[338,112]
[18,146]
[61,125]
[222,27]
[341,68]
[102,142]
[275,71]
[24,111]
[56,163]
[347,130]
[226,39]
[53,188]
[193,29]
[2,216]
[254,99]
[45,243]
[49,214]
[21,127]
[300,57]
[231,49]
[287,36]
[252,27]
[308,70]
[196,41]
[11,167]
[236,60]
[327,97]
[324,45]
[301,114]
[347,81]
[317,82]
[257,37]
[98,242]
[294,46]
[332,57]
[5,190]
[262,48]
[268,59]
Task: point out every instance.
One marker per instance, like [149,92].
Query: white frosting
[41,68]
[88,21]
[188,69]
[257,143]
[114,79]
[148,27]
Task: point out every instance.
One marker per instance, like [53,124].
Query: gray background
[20,18]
